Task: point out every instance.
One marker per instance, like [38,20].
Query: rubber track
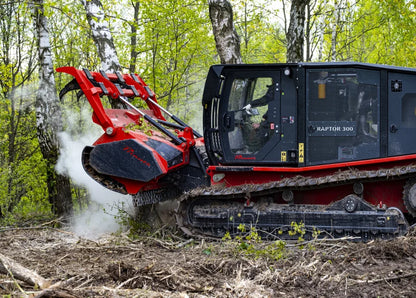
[295,183]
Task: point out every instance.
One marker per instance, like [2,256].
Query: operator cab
[306,114]
[252,118]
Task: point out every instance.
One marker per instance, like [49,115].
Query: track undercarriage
[272,209]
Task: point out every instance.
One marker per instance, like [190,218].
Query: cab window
[248,106]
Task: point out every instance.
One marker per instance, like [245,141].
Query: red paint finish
[93,93]
[115,122]
[388,192]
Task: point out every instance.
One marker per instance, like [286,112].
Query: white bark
[226,37]
[49,117]
[295,35]
[101,35]
[48,112]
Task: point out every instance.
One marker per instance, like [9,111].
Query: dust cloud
[102,214]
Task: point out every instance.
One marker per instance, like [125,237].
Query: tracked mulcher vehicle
[329,145]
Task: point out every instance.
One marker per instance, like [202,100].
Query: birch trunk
[101,35]
[49,117]
[103,40]
[295,34]
[226,37]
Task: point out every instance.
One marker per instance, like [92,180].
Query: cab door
[402,114]
[250,134]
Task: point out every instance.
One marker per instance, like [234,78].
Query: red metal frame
[93,93]
[117,119]
[388,192]
[314,171]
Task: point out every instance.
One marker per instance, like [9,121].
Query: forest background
[171,45]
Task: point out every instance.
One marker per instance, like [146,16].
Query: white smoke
[26,95]
[101,215]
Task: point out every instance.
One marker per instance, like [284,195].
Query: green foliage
[297,229]
[249,242]
[209,250]
[23,172]
[365,31]
[133,223]
[176,50]
[142,126]
[72,43]
[262,38]
[393,41]
[23,191]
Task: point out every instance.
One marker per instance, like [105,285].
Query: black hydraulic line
[175,139]
[170,124]
[149,119]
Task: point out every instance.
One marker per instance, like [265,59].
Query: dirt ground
[116,266]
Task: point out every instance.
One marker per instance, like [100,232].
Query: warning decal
[301,152]
[283,156]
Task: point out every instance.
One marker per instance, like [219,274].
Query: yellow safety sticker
[301,152]
[283,156]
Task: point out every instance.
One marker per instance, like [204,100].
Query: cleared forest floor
[116,266]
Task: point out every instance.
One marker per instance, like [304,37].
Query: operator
[259,133]
[262,101]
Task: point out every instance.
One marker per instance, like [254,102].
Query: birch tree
[295,34]
[321,33]
[103,40]
[49,117]
[101,35]
[226,37]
